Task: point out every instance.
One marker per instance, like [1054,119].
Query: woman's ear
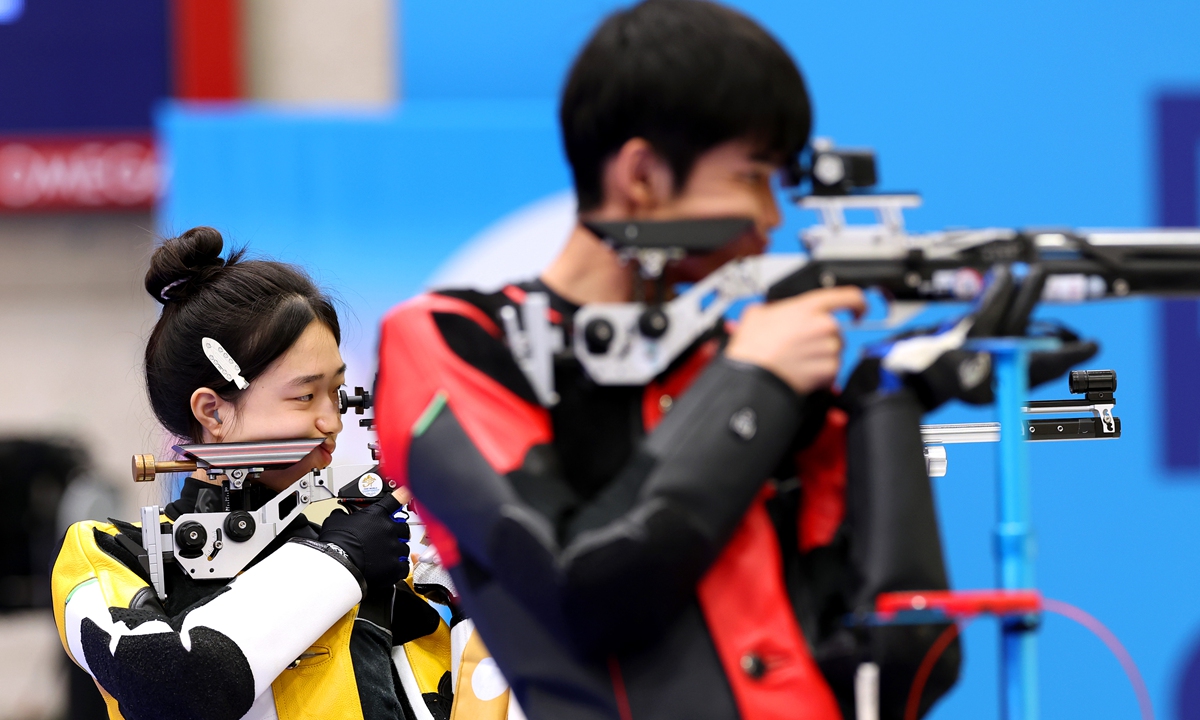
[212,412]
[637,179]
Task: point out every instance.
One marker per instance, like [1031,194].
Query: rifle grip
[805,279]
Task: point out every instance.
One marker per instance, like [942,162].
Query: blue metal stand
[1015,548]
[1014,535]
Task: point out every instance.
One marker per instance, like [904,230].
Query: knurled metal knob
[190,538]
[143,468]
[239,526]
[653,323]
[598,335]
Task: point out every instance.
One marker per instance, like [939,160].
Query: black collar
[558,303]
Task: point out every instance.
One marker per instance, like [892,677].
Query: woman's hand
[374,538]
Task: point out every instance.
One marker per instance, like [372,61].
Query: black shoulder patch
[133,617]
[153,676]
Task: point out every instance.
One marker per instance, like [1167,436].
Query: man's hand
[798,339]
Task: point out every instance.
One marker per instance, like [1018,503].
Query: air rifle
[219,545]
[631,343]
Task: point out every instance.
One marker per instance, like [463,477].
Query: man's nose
[770,217]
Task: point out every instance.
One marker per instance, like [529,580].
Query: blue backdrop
[1030,113]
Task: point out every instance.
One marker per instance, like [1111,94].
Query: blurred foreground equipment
[46,484]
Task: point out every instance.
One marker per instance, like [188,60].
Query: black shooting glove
[375,539]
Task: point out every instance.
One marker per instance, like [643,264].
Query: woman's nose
[329,420]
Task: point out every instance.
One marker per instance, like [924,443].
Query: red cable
[913,706]
[1057,607]
[1114,645]
[618,683]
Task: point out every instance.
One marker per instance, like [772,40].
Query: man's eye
[305,398]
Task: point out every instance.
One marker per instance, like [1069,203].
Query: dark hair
[685,75]
[256,309]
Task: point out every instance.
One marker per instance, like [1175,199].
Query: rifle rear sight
[1092,381]
[361,401]
[833,171]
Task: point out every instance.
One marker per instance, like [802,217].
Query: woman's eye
[305,398]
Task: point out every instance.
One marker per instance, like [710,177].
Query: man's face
[726,181]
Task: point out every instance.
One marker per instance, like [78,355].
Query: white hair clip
[225,364]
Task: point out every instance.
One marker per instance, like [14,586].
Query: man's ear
[637,180]
[213,412]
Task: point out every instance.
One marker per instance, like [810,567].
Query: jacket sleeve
[211,660]
[891,543]
[697,474]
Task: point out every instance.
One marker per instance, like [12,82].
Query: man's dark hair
[256,309]
[686,76]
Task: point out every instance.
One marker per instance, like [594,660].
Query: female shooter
[309,626]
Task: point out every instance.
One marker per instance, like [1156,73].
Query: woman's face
[295,397]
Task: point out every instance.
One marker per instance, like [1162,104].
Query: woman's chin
[323,457]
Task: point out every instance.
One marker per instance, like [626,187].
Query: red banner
[79,173]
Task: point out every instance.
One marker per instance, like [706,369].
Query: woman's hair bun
[256,310]
[183,263]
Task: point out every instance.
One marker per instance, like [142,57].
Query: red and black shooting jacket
[688,549]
